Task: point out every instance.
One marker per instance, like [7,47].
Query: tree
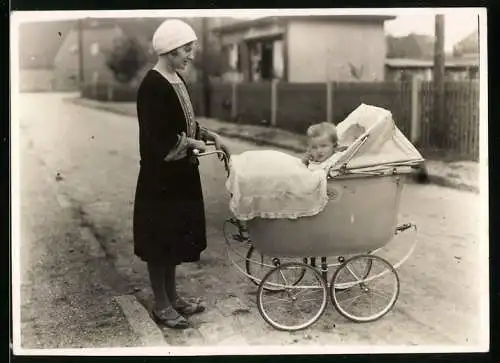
[125,59]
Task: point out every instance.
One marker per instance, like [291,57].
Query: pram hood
[379,142]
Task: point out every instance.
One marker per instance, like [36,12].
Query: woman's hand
[197,144]
[217,140]
[219,145]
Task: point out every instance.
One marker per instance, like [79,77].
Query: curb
[82,102]
[137,317]
[140,322]
[433,178]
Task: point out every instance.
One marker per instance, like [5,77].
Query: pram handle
[222,155]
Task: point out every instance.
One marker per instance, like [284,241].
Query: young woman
[169,217]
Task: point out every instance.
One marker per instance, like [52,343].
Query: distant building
[468,47]
[306,48]
[456,69]
[98,36]
[39,42]
[462,65]
[411,46]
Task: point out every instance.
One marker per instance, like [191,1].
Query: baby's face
[321,148]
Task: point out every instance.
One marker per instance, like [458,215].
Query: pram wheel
[361,294]
[364,267]
[295,305]
[257,265]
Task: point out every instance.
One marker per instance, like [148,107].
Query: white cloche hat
[172,34]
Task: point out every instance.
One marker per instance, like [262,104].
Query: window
[94,49]
[278,59]
[229,53]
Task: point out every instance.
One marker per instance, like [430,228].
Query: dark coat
[169,215]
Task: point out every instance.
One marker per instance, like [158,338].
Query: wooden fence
[294,107]
[460,126]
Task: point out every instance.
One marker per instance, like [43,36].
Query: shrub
[125,59]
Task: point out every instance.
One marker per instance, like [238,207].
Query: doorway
[266,67]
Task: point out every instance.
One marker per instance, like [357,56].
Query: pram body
[347,225]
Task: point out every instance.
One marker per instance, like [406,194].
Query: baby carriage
[360,217]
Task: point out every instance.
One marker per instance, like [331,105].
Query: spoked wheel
[257,265]
[361,295]
[297,304]
[363,266]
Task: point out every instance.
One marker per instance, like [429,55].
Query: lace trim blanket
[272,184]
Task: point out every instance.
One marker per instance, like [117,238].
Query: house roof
[270,20]
[39,42]
[413,45]
[468,45]
[425,63]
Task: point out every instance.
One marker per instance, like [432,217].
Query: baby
[323,151]
[322,146]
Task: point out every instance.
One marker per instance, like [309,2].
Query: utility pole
[80,54]
[205,78]
[328,87]
[439,86]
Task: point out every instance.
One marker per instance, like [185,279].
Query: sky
[456,26]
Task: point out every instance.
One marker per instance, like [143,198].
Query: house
[306,48]
[463,64]
[39,43]
[98,37]
[468,47]
[412,46]
[456,69]
[214,60]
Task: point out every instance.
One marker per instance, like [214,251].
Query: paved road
[96,156]
[63,269]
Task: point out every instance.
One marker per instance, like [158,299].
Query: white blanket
[272,184]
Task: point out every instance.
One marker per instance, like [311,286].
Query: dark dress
[169,215]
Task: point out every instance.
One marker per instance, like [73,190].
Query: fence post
[95,79]
[415,110]
[274,101]
[234,101]
[329,101]
[110,92]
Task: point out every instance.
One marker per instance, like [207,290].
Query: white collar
[169,77]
